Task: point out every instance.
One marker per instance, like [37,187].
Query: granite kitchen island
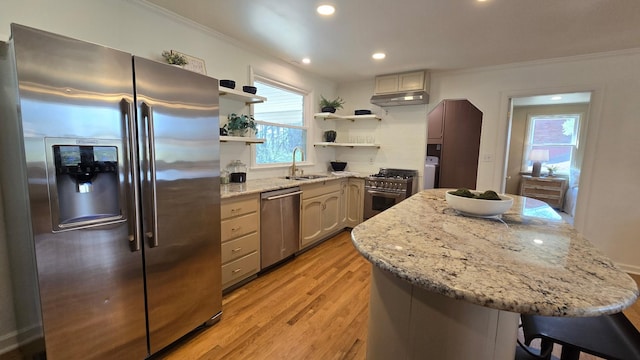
[448,286]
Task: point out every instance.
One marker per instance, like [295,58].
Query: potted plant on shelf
[551,169]
[238,125]
[331,105]
[174,58]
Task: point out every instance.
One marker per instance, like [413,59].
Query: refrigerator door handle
[147,113]
[135,231]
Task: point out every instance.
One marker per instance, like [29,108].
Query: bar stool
[607,336]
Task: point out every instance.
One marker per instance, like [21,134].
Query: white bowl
[479,207]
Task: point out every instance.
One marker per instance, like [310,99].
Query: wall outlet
[370,161]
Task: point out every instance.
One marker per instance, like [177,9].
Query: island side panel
[389,316]
[408,322]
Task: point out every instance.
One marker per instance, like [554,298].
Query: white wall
[144,30]
[401,133]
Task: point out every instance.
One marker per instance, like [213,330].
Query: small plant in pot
[331,106]
[174,58]
[238,125]
[551,169]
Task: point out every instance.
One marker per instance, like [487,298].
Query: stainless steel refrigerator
[110,182]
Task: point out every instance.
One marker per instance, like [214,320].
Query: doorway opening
[547,132]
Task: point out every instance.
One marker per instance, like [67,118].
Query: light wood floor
[313,307]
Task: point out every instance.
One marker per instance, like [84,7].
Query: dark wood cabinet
[453,135]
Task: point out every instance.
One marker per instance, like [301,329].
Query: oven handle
[384,193]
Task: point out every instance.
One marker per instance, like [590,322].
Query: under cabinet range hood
[401,98]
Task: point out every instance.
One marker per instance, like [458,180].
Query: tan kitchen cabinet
[240,230]
[344,197]
[548,189]
[320,211]
[411,81]
[355,202]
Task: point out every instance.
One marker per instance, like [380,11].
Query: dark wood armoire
[453,135]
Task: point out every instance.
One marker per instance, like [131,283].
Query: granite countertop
[269,184]
[528,261]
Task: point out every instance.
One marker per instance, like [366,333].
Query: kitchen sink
[306,177]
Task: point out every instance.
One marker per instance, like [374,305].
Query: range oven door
[377,201]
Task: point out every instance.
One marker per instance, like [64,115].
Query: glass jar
[237,171]
[224,177]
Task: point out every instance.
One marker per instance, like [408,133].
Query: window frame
[528,144]
[306,121]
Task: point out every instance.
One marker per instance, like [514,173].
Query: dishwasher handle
[283,195]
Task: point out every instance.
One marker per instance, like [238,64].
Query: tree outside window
[280,121]
[556,133]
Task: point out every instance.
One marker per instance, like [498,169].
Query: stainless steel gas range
[387,188]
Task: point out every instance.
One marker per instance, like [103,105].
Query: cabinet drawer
[236,207]
[240,269]
[540,191]
[317,189]
[235,249]
[238,226]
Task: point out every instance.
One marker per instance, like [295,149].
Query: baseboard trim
[9,342]
[629,268]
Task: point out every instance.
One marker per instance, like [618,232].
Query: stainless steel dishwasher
[279,225]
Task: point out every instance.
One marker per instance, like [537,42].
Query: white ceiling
[418,34]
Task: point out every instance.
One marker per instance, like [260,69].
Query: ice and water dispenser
[86,185]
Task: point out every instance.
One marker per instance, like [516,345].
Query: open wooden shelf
[332,116]
[247,140]
[351,145]
[247,98]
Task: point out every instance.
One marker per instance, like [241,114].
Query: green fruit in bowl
[487,195]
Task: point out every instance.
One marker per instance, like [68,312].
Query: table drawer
[235,249]
[550,190]
[238,226]
[542,192]
[240,269]
[236,207]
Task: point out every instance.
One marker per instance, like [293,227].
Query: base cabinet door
[331,212]
[311,227]
[344,199]
[355,202]
[320,213]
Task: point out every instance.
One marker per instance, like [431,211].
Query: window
[281,122]
[558,134]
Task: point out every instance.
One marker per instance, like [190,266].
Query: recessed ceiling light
[326,9]
[556,98]
[306,61]
[379,56]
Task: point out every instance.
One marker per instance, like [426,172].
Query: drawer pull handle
[236,271]
[236,228]
[236,249]
[236,209]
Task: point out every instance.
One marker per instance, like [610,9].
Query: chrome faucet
[294,171]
